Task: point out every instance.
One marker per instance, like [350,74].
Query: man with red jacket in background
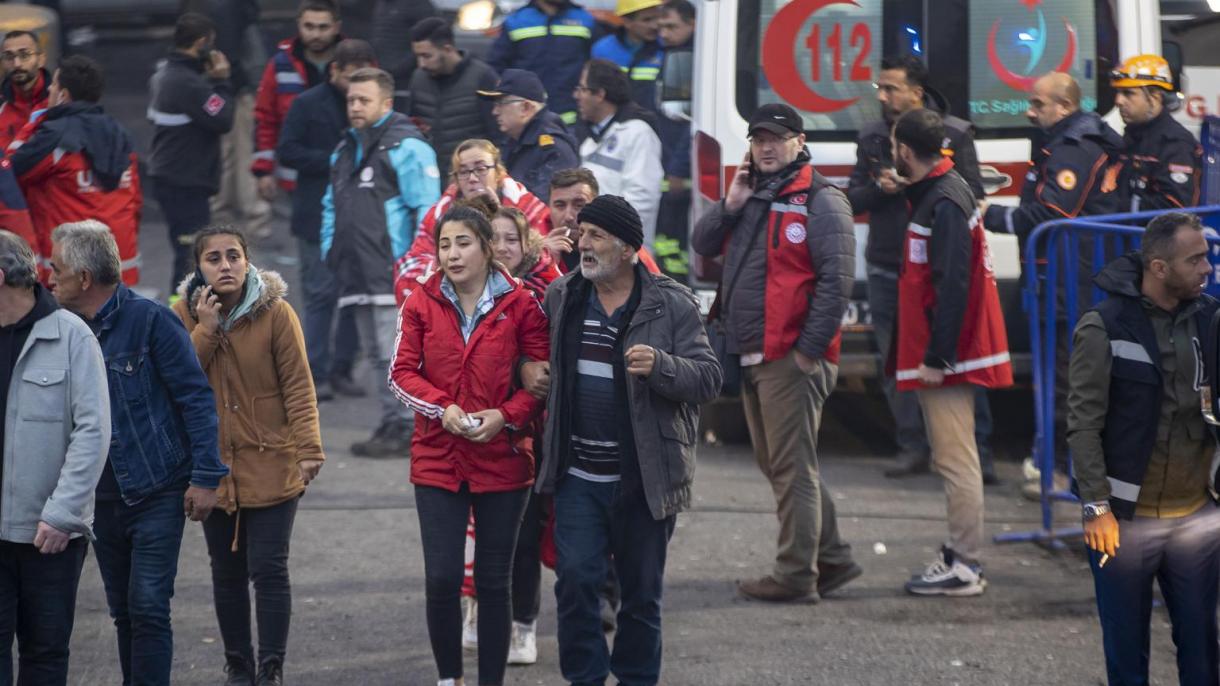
[299,63]
[75,162]
[25,85]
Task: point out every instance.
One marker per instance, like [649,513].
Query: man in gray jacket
[632,364]
[781,305]
[54,440]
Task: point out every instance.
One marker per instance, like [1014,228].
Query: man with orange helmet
[1161,162]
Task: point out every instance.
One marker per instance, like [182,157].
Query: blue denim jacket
[164,430]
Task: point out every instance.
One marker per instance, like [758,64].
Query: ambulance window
[1011,44]
[821,58]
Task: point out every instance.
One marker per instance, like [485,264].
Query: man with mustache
[26,83]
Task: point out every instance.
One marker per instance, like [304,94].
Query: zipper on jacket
[775,231]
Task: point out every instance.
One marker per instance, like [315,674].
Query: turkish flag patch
[214,105]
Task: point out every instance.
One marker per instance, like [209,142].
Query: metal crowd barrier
[1052,300]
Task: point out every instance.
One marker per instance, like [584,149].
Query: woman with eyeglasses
[477,171]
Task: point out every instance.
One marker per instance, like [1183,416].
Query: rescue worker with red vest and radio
[1161,160]
[789,250]
[950,338]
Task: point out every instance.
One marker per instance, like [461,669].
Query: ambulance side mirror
[674,86]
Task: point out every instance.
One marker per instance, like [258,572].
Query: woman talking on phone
[472,447]
[477,171]
[251,347]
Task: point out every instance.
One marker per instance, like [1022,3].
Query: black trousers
[442,526]
[186,210]
[38,606]
[262,536]
[527,563]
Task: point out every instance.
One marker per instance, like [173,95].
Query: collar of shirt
[600,127]
[496,286]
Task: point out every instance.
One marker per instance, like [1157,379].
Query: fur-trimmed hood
[268,286]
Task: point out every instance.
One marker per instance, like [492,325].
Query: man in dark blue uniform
[538,144]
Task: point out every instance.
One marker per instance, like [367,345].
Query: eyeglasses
[23,55]
[582,89]
[473,172]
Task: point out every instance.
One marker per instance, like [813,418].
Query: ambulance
[822,58]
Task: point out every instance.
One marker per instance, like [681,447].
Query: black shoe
[239,671]
[833,578]
[271,672]
[344,385]
[909,464]
[391,439]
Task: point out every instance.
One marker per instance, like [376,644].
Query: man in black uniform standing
[1161,162]
[876,188]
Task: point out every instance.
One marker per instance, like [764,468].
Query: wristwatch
[1094,510]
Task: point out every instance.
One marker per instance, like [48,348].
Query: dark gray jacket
[452,108]
[664,408]
[830,236]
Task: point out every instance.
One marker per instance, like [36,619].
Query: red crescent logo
[1026,83]
[779,56]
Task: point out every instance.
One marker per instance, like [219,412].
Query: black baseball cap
[519,83]
[777,118]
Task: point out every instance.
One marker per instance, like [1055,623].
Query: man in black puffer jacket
[444,98]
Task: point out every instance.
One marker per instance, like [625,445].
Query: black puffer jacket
[452,110]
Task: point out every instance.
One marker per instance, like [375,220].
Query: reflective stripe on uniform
[920,230]
[289,78]
[527,32]
[570,31]
[264,155]
[645,73]
[166,119]
[568,118]
[366,299]
[1123,490]
[961,367]
[605,161]
[783,208]
[133,263]
[1130,350]
[286,174]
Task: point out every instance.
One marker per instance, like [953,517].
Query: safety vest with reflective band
[791,279]
[1136,392]
[285,77]
[982,343]
[641,64]
[553,47]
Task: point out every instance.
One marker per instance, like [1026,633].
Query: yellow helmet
[626,7]
[1143,70]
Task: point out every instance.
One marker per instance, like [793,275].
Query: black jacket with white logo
[190,114]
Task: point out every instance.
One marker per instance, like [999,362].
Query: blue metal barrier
[1052,262]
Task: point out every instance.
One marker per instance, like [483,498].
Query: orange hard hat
[1143,70]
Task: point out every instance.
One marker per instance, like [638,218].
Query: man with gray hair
[632,365]
[53,438]
[164,460]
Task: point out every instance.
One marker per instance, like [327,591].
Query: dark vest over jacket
[451,108]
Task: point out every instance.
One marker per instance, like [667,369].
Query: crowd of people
[485,239]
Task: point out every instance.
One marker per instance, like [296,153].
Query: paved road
[358,574]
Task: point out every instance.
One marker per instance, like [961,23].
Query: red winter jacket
[74,163]
[476,375]
[17,107]
[286,76]
[420,260]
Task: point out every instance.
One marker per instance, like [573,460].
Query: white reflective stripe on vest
[782,208]
[1123,490]
[133,263]
[1129,350]
[289,78]
[285,174]
[920,230]
[264,155]
[961,367]
[166,119]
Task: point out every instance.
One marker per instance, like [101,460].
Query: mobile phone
[751,172]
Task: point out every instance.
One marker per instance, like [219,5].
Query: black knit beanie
[616,217]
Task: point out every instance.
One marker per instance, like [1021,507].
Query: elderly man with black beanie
[632,364]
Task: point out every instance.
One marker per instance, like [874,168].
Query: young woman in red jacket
[472,447]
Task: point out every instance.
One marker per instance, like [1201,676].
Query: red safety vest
[982,344]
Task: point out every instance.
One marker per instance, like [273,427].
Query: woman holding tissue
[250,345]
[477,171]
[472,448]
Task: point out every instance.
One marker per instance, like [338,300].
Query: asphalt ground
[357,569]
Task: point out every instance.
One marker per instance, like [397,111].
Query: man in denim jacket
[164,459]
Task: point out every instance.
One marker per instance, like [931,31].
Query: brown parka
[265,396]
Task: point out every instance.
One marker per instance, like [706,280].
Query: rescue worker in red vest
[1161,160]
[76,162]
[299,63]
[26,83]
[789,247]
[950,338]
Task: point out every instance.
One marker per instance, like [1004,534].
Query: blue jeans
[592,522]
[321,299]
[1183,555]
[38,605]
[137,554]
[909,431]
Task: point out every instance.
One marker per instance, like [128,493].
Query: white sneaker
[447,682]
[948,576]
[523,650]
[470,626]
